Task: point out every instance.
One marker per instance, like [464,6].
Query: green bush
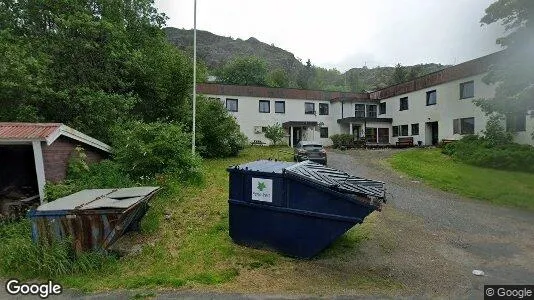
[275,133]
[218,134]
[81,175]
[344,140]
[484,152]
[19,256]
[145,150]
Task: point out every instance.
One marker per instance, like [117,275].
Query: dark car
[310,151]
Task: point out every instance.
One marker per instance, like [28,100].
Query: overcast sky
[349,33]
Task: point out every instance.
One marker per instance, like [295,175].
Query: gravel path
[458,233]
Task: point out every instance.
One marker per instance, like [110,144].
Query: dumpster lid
[100,198]
[265,166]
[337,180]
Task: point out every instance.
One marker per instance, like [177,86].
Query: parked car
[313,151]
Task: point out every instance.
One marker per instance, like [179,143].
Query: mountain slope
[217,50]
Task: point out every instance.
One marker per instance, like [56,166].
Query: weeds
[21,257]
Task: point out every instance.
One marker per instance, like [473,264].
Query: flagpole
[194,76]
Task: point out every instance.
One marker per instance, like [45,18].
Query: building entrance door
[297,135]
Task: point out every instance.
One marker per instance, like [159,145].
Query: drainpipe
[342,104]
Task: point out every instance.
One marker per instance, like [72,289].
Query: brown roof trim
[469,68]
[268,92]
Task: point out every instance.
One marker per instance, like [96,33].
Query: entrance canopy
[299,124]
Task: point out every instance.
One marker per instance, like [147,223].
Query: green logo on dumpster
[261,186]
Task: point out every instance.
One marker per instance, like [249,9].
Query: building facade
[435,107]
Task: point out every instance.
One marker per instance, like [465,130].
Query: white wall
[448,106]
[248,116]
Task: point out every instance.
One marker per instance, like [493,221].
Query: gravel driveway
[446,236]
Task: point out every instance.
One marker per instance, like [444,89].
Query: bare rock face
[216,50]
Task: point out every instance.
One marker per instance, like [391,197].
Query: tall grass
[20,257]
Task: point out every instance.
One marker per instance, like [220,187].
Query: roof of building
[466,69]
[269,92]
[45,132]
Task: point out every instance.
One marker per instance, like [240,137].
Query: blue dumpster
[297,209]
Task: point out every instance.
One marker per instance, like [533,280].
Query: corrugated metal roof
[99,198]
[27,131]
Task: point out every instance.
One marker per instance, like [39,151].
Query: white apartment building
[435,107]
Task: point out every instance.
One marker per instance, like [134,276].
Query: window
[280,107]
[231,104]
[265,106]
[467,90]
[323,109]
[359,110]
[370,135]
[404,130]
[516,123]
[309,108]
[382,108]
[323,132]
[463,126]
[395,131]
[404,103]
[431,98]
[371,111]
[415,129]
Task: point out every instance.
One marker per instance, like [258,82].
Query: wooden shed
[32,154]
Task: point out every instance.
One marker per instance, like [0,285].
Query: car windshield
[312,147]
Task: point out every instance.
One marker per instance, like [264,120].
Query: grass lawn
[439,170]
[192,249]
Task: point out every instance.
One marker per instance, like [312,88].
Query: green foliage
[342,141]
[495,134]
[513,73]
[145,150]
[20,257]
[278,78]
[91,65]
[275,133]
[81,175]
[250,70]
[483,152]
[218,133]
[399,75]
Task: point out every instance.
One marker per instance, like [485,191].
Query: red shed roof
[45,132]
[27,131]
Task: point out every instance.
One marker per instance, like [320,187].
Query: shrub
[495,134]
[218,134]
[145,150]
[344,140]
[81,175]
[275,133]
[484,152]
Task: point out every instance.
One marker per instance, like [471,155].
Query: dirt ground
[425,243]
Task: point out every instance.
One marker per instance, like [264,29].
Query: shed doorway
[18,178]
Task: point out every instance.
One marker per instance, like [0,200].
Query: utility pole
[194,76]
